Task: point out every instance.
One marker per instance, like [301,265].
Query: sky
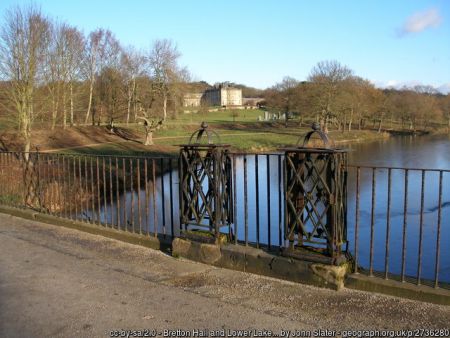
[258,42]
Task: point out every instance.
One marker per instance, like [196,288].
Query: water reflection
[412,152]
[137,211]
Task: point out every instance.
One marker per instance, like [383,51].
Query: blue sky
[259,42]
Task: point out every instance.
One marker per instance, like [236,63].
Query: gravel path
[57,282]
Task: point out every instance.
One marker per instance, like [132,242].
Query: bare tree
[92,50]
[133,66]
[288,87]
[74,40]
[284,96]
[328,78]
[359,97]
[55,69]
[150,126]
[23,38]
[101,48]
[164,69]
[110,92]
[63,59]
[179,88]
[428,108]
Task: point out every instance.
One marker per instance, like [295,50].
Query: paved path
[57,282]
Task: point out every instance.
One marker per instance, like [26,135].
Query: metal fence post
[315,201]
[205,187]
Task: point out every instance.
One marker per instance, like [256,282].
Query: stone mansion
[223,94]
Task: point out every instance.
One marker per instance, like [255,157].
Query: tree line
[335,96]
[53,73]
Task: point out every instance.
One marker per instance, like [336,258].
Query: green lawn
[221,116]
[239,128]
[260,140]
[189,120]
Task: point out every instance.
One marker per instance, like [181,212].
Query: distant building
[223,94]
[192,99]
[252,101]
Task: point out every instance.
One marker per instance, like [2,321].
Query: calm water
[413,152]
[407,151]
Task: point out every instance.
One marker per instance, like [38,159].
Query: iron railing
[404,233]
[398,218]
[135,194]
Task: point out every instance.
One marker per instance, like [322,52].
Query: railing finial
[323,136]
[199,133]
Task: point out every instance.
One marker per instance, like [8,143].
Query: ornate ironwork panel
[205,186]
[315,199]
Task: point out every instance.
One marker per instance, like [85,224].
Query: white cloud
[420,21]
